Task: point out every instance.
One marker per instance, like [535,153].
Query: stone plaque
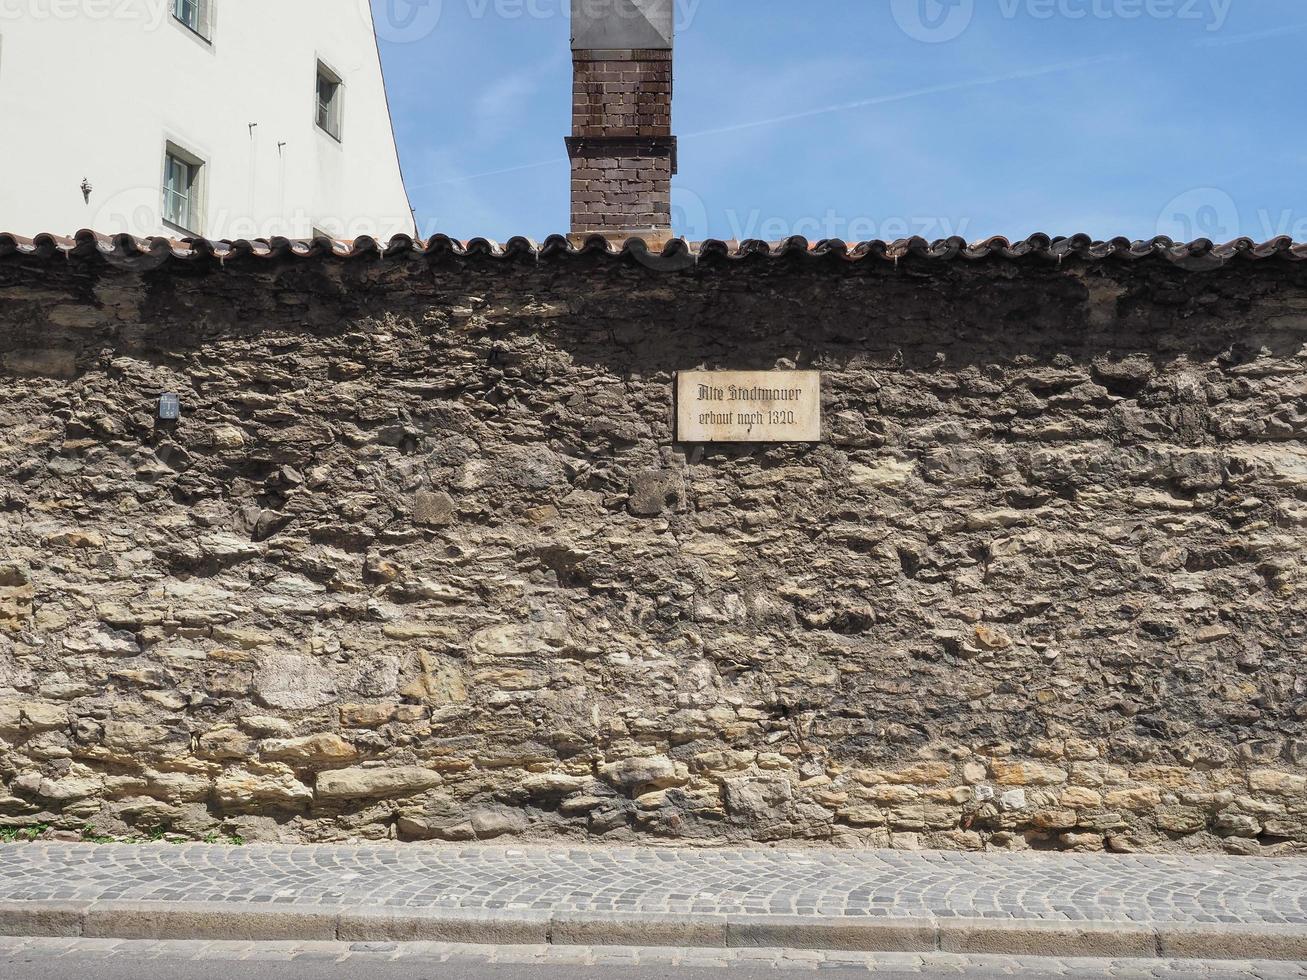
[748,406]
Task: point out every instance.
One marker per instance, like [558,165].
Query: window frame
[203,26]
[198,171]
[335,111]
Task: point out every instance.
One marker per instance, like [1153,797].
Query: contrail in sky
[915,93]
[1224,41]
[912,94]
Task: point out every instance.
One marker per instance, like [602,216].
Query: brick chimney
[622,149]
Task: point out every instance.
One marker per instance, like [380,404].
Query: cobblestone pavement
[1118,888]
[21,958]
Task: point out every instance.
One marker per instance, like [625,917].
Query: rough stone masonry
[422,561]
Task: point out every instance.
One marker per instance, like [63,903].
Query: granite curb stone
[637,929]
[207,920]
[851,933]
[1041,938]
[183,921]
[40,918]
[517,928]
[1233,941]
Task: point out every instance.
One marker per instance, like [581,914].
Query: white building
[219,118]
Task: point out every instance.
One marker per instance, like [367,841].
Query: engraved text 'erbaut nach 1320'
[748,406]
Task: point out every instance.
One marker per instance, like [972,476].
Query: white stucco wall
[95,88]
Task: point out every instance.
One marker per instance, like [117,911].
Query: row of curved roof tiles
[1197,255]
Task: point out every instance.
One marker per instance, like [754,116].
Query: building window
[193,14]
[329,98]
[181,190]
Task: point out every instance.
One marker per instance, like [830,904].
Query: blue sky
[881,118]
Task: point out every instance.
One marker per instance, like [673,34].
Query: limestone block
[939,816]
[69,788]
[341,784]
[75,539]
[654,771]
[311,751]
[1082,843]
[488,824]
[655,492]
[374,677]
[1231,824]
[103,643]
[884,474]
[267,726]
[16,595]
[413,630]
[269,785]
[1008,773]
[433,508]
[226,437]
[554,784]
[1290,827]
[919,773]
[178,786]
[1139,798]
[226,742]
[36,716]
[508,679]
[41,362]
[892,794]
[1013,799]
[991,638]
[229,548]
[1053,819]
[366,715]
[294,682]
[534,467]
[135,737]
[1181,820]
[863,816]
[759,799]
[1276,783]
[439,682]
[520,639]
[974,772]
[1077,797]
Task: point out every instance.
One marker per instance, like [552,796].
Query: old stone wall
[422,561]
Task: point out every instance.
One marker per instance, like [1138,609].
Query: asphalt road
[108,960]
[119,968]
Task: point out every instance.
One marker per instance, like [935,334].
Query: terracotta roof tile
[1197,256]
